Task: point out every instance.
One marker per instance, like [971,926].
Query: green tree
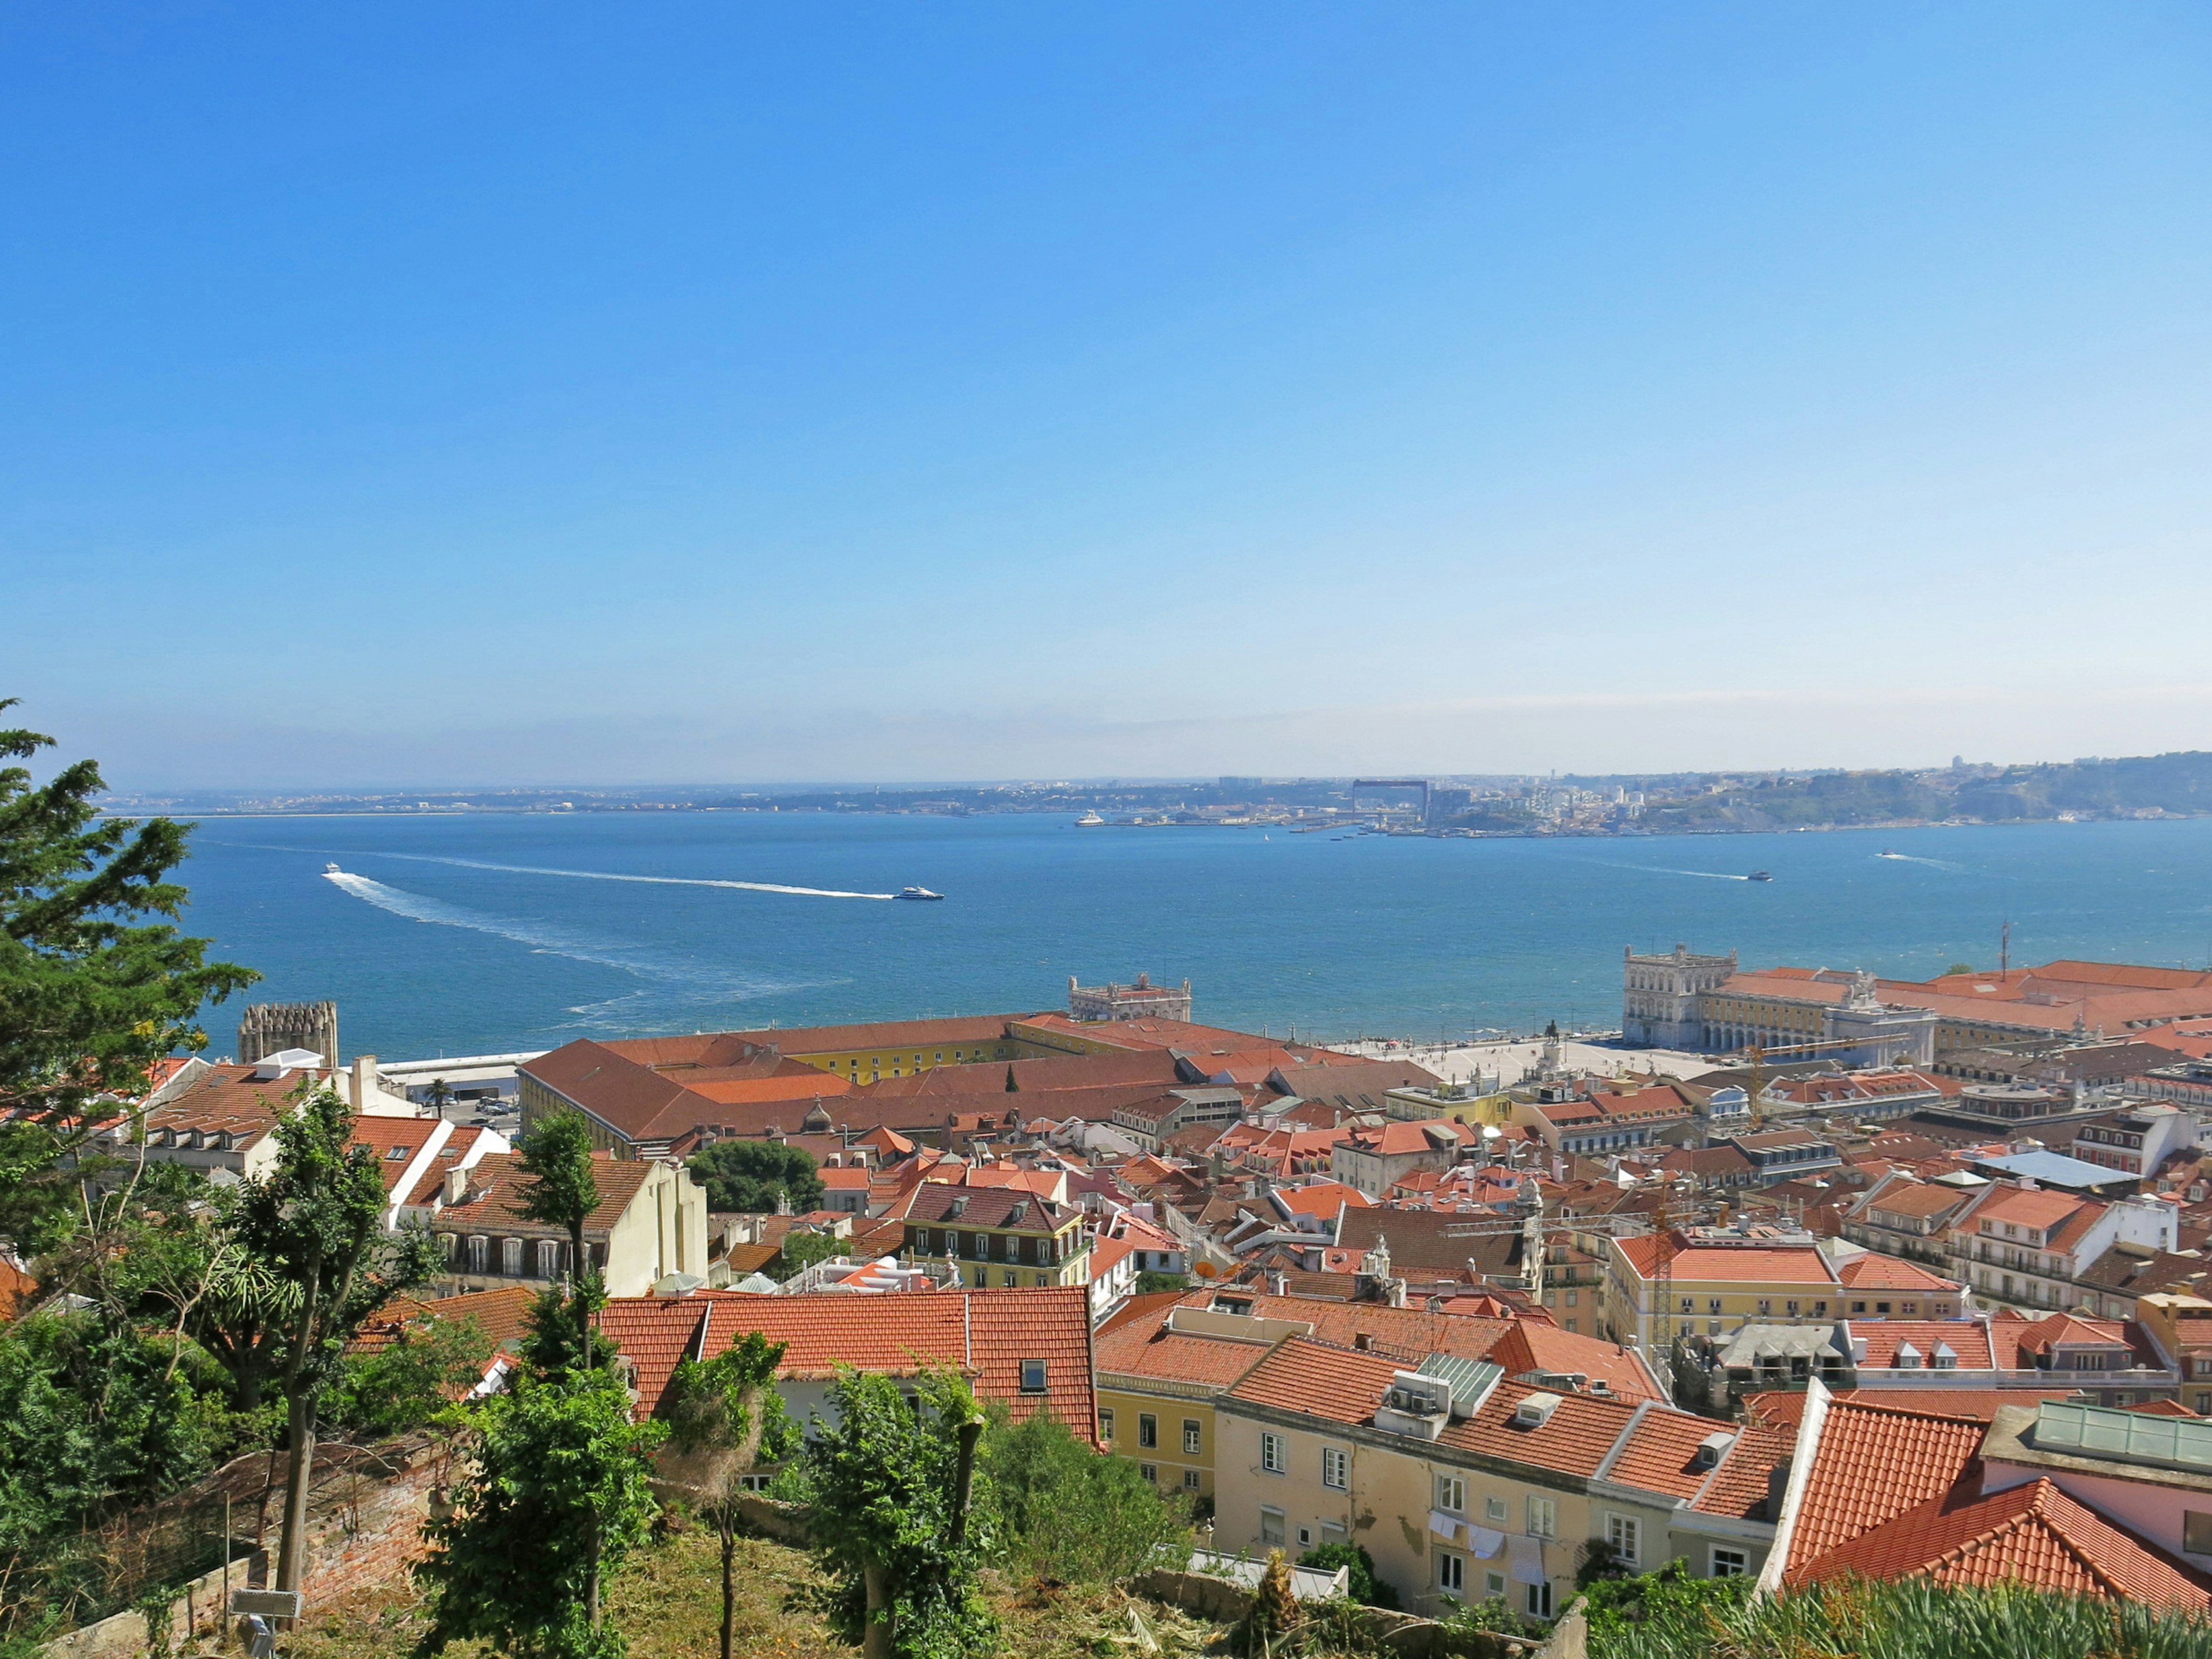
[316,1222]
[1151,1281]
[1071,1513]
[92,1415]
[896,1517]
[557,1492]
[550,1326]
[724,1418]
[96,982]
[414,1378]
[562,1191]
[754,1175]
[801,1250]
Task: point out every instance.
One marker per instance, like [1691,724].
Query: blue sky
[414,395]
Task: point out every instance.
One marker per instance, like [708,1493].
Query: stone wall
[1403,1633]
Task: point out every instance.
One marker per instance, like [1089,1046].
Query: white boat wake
[1663,870]
[688,981]
[655,881]
[1932,863]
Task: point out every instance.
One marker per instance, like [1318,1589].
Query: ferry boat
[332,870]
[918,893]
[1760,875]
[1089,820]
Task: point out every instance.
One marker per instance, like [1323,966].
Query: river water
[468,934]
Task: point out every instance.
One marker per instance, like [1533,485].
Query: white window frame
[1273,1455]
[1543,1516]
[1493,1585]
[1280,1525]
[1336,1469]
[1624,1534]
[1729,1563]
[1451,1572]
[1493,1508]
[1539,1599]
[1451,1494]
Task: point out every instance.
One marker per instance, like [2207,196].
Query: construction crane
[1658,1345]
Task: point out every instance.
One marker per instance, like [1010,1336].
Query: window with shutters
[549,1258]
[1543,1517]
[510,1257]
[479,1253]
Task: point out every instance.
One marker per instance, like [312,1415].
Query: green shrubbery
[1362,1585]
[1074,1515]
[1670,1615]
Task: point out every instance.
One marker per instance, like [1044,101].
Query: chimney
[364,1087]
[1278,1283]
[457,1185]
[1778,1484]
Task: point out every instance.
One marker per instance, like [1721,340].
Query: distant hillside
[2149,784]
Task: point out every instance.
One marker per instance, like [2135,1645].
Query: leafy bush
[1670,1615]
[409,1381]
[752,1175]
[1362,1585]
[802,1250]
[882,1472]
[1072,1514]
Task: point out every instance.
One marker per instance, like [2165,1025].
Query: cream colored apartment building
[1465,1486]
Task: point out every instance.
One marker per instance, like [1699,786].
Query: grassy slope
[668,1600]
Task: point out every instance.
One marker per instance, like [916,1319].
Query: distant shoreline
[198,814]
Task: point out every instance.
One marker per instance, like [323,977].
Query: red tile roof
[1582,1430]
[2033,1534]
[983,1335]
[1319,1379]
[1875,1272]
[2037,1207]
[1968,1339]
[1740,1486]
[1918,1198]
[1873,1463]
[1760,1264]
[498,1187]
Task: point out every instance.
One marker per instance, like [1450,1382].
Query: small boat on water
[1760,875]
[1089,820]
[332,870]
[918,893]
